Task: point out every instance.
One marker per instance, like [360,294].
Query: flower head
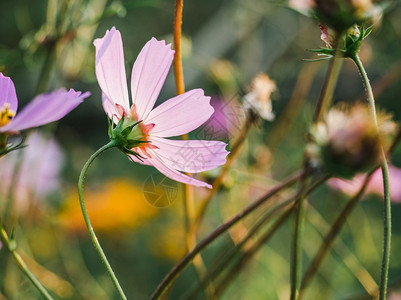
[347,141]
[258,99]
[44,109]
[176,116]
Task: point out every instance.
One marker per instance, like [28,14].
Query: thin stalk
[296,246]
[386,185]
[348,258]
[180,87]
[235,270]
[323,104]
[330,82]
[178,70]
[189,203]
[223,261]
[92,234]
[179,267]
[328,240]
[10,245]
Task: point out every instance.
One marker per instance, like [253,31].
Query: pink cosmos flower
[174,117]
[44,109]
[375,185]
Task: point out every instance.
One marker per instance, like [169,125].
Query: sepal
[6,148]
[126,136]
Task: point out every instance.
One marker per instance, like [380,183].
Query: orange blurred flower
[117,204]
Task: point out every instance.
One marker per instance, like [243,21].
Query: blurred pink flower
[302,6]
[35,171]
[375,185]
[326,36]
[220,125]
[174,117]
[45,108]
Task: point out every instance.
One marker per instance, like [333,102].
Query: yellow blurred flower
[170,243]
[117,204]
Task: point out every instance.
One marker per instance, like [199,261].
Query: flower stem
[386,185]
[180,87]
[178,72]
[221,262]
[248,254]
[328,240]
[179,267]
[296,247]
[330,82]
[189,207]
[10,245]
[323,104]
[92,234]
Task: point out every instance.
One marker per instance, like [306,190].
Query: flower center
[6,114]
[141,132]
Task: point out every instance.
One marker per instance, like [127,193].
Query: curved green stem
[386,186]
[92,234]
[10,245]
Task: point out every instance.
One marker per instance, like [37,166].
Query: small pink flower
[44,109]
[375,185]
[174,117]
[325,36]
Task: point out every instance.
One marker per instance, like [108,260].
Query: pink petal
[375,185]
[145,161]
[7,93]
[110,68]
[110,109]
[348,187]
[163,168]
[148,75]
[45,108]
[181,114]
[192,156]
[39,170]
